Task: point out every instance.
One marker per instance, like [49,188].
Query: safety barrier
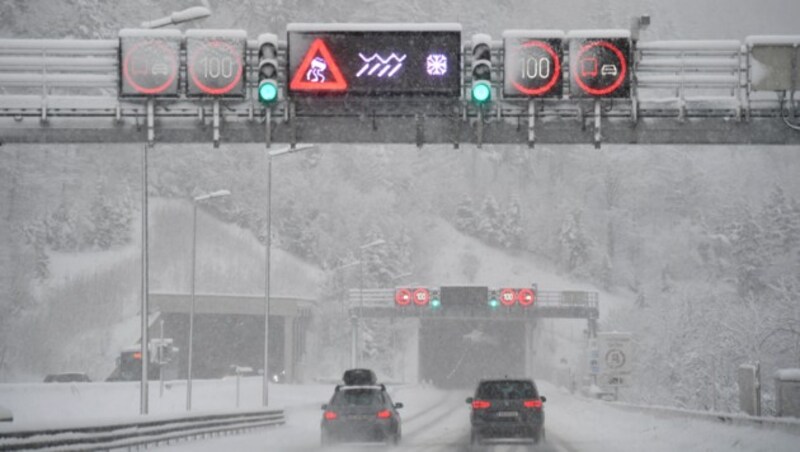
[136,434]
[785,424]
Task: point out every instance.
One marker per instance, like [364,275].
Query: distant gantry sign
[374,60]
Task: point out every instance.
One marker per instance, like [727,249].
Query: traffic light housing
[436,299]
[481,69]
[494,299]
[268,88]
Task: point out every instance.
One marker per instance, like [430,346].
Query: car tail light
[535,403]
[385,414]
[481,404]
[330,415]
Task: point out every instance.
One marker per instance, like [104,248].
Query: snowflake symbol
[437,64]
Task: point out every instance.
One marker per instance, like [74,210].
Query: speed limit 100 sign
[215,63]
[533,64]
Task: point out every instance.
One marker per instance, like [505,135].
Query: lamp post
[178,17]
[268,246]
[174,19]
[197,200]
[355,353]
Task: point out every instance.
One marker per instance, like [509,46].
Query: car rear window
[358,397]
[499,390]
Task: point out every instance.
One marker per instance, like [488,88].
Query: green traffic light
[267,92]
[481,92]
[436,304]
[493,303]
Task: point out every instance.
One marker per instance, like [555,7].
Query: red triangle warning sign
[310,76]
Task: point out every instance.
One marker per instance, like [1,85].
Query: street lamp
[196,201]
[175,18]
[178,17]
[270,156]
[355,355]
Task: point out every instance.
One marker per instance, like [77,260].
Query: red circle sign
[597,75]
[150,66]
[215,67]
[554,74]
[508,297]
[402,297]
[421,296]
[526,297]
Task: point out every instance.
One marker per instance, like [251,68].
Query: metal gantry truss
[379,303]
[684,92]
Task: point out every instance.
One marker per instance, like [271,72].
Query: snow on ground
[432,419]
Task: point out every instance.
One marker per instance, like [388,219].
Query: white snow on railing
[700,45]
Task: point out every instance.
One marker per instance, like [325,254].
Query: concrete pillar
[288,348]
[411,352]
[528,349]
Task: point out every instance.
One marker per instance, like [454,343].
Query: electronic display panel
[149,63]
[375,61]
[600,66]
[533,64]
[215,63]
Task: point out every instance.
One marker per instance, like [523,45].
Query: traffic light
[268,68]
[436,299]
[494,299]
[481,91]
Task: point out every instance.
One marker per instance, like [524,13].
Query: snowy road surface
[435,420]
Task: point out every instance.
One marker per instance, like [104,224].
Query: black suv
[504,409]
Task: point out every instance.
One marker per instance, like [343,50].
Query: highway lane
[432,422]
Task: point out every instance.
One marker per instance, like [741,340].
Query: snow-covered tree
[512,231]
[574,242]
[466,219]
[490,222]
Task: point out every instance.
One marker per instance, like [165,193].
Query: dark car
[507,409]
[68,377]
[361,414]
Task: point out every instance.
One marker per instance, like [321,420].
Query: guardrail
[688,77]
[784,424]
[137,434]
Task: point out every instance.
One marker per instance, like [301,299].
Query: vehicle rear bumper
[358,431]
[507,429]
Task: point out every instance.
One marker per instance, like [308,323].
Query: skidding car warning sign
[318,71]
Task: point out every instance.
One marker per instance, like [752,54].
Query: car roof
[353,387]
[500,380]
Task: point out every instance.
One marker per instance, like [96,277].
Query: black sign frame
[374,62]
